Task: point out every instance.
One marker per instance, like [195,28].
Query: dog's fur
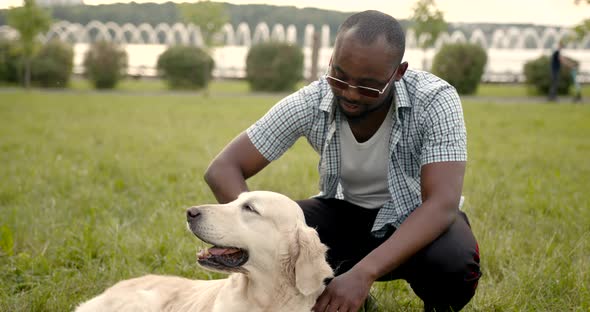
[285,268]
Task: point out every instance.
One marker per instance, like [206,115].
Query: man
[393,152]
[557,60]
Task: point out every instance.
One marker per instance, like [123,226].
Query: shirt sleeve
[282,125]
[444,136]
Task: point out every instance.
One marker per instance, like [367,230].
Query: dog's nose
[192,214]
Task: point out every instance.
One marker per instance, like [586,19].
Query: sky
[541,12]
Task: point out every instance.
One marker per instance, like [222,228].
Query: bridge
[508,49]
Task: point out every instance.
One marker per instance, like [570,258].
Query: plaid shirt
[428,127]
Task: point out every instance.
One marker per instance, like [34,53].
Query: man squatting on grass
[393,151]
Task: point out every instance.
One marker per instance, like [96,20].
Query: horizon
[556,13]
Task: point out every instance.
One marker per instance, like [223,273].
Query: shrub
[537,75]
[105,64]
[274,66]
[460,64]
[52,67]
[10,62]
[185,67]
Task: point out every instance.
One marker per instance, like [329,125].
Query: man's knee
[446,293]
[446,273]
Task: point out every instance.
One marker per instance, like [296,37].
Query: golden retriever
[277,263]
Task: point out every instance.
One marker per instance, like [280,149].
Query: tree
[209,16]
[428,23]
[582,29]
[29,20]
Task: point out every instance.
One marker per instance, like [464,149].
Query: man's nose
[352,94]
[193,213]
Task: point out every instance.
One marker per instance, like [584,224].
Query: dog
[275,261]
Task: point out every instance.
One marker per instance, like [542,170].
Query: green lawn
[158,85]
[517,90]
[94,187]
[235,87]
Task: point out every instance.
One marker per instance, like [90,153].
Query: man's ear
[311,267]
[401,70]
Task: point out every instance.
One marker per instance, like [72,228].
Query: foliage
[53,65]
[460,64]
[29,20]
[581,30]
[538,76]
[185,67]
[274,66]
[10,61]
[105,64]
[209,16]
[427,20]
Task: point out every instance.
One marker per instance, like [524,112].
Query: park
[95,183]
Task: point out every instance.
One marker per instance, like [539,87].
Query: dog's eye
[249,208]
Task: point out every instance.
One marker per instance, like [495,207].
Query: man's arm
[442,183]
[227,173]
[441,192]
[568,62]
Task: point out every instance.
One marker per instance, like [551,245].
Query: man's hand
[345,293]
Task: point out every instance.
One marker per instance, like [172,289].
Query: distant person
[393,152]
[557,61]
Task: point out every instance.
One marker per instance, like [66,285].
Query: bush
[538,77]
[52,67]
[274,66]
[105,64]
[185,67]
[461,65]
[10,62]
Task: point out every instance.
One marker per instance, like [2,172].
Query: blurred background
[511,33]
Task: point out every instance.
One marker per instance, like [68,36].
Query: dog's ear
[311,267]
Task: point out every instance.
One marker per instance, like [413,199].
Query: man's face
[359,64]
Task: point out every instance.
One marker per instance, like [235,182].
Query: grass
[516,90]
[235,87]
[157,85]
[95,185]
[239,86]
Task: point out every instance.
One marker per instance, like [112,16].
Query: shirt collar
[326,103]
[402,99]
[401,94]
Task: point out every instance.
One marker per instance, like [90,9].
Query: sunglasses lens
[337,84]
[364,91]
[368,92]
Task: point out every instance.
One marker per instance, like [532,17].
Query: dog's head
[262,232]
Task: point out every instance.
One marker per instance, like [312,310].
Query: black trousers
[554,84]
[444,274]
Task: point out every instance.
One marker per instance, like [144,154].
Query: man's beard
[367,110]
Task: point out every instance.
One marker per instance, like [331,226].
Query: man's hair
[370,25]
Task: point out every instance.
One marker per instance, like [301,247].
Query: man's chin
[355,112]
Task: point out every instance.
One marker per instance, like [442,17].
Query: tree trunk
[315,52]
[424,61]
[27,72]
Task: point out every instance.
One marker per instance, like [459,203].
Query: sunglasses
[362,90]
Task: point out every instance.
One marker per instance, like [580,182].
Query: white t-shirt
[365,166]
